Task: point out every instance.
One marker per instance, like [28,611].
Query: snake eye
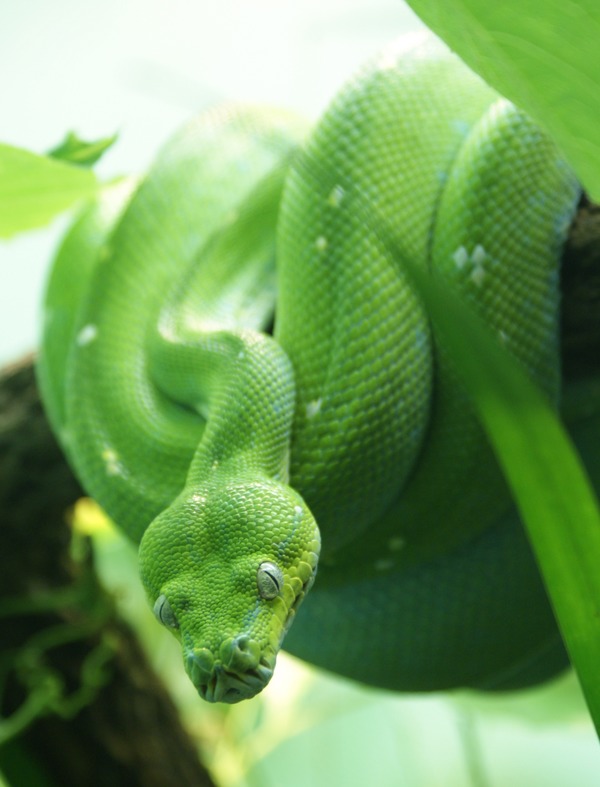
[164,614]
[269,580]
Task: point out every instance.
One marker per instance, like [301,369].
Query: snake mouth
[216,682]
[224,686]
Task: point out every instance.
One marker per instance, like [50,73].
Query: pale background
[142,67]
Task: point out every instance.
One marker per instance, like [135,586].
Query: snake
[241,374]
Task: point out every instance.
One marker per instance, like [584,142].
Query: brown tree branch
[128,731]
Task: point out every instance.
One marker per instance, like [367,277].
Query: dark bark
[580,282]
[128,731]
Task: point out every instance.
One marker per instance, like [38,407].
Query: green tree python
[241,375]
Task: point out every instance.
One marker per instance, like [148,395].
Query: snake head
[225,569]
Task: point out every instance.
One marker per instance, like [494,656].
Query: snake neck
[241,384]
[210,352]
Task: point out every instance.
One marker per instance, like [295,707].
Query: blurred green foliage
[543,56]
[34,189]
[308,727]
[75,150]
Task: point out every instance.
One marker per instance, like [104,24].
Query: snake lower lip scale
[217,683]
[227,687]
[229,448]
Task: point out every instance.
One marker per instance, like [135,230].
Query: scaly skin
[219,447]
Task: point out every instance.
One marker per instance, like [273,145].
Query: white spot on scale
[298,514]
[460,257]
[384,564]
[241,354]
[478,275]
[321,243]
[87,335]
[336,195]
[313,408]
[479,255]
[111,462]
[215,465]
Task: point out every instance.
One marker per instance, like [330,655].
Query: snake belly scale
[241,375]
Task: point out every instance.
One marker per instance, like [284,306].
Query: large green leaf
[545,474]
[75,150]
[34,189]
[544,56]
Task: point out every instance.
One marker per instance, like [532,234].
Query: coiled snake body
[231,453]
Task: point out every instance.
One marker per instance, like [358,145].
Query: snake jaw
[239,673]
[242,668]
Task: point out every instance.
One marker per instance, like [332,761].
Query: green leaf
[547,478]
[543,469]
[545,57]
[34,189]
[75,150]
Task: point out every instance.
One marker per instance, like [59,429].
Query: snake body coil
[220,446]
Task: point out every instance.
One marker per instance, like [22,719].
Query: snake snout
[239,672]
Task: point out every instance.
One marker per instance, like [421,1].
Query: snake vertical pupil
[164,614]
[269,580]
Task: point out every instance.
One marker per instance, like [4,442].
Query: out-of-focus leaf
[545,474]
[34,189]
[543,56]
[77,151]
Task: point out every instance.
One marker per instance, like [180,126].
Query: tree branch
[62,644]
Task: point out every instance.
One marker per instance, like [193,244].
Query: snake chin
[239,673]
